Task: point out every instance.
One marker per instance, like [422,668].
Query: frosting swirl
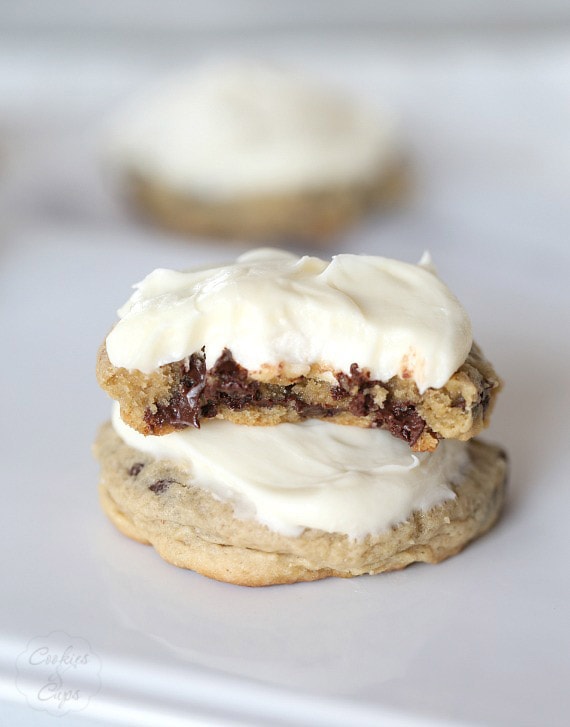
[270,307]
[314,474]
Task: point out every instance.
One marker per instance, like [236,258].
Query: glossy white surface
[481,639]
[270,308]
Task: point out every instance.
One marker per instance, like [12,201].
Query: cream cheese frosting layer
[269,307]
[310,475]
[245,128]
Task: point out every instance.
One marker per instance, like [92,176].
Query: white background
[485,104]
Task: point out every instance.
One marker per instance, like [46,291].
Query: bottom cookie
[155,502]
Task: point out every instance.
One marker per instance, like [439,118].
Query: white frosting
[243,129]
[390,317]
[310,475]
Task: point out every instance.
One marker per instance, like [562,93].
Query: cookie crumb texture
[157,503]
[179,395]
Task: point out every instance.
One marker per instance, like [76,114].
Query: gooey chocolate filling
[201,393]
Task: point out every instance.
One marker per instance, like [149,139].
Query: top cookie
[361,340]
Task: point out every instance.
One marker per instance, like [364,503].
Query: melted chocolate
[135,469]
[356,379]
[403,421]
[183,409]
[315,411]
[201,393]
[228,383]
[400,418]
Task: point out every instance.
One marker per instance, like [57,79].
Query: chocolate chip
[201,393]
[403,421]
[355,380]
[308,411]
[183,408]
[338,393]
[229,383]
[360,405]
[230,377]
[135,469]
[161,485]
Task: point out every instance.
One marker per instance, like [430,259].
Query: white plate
[481,638]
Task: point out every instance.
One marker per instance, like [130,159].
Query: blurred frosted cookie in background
[254,152]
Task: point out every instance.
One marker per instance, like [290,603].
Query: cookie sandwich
[251,151]
[287,418]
